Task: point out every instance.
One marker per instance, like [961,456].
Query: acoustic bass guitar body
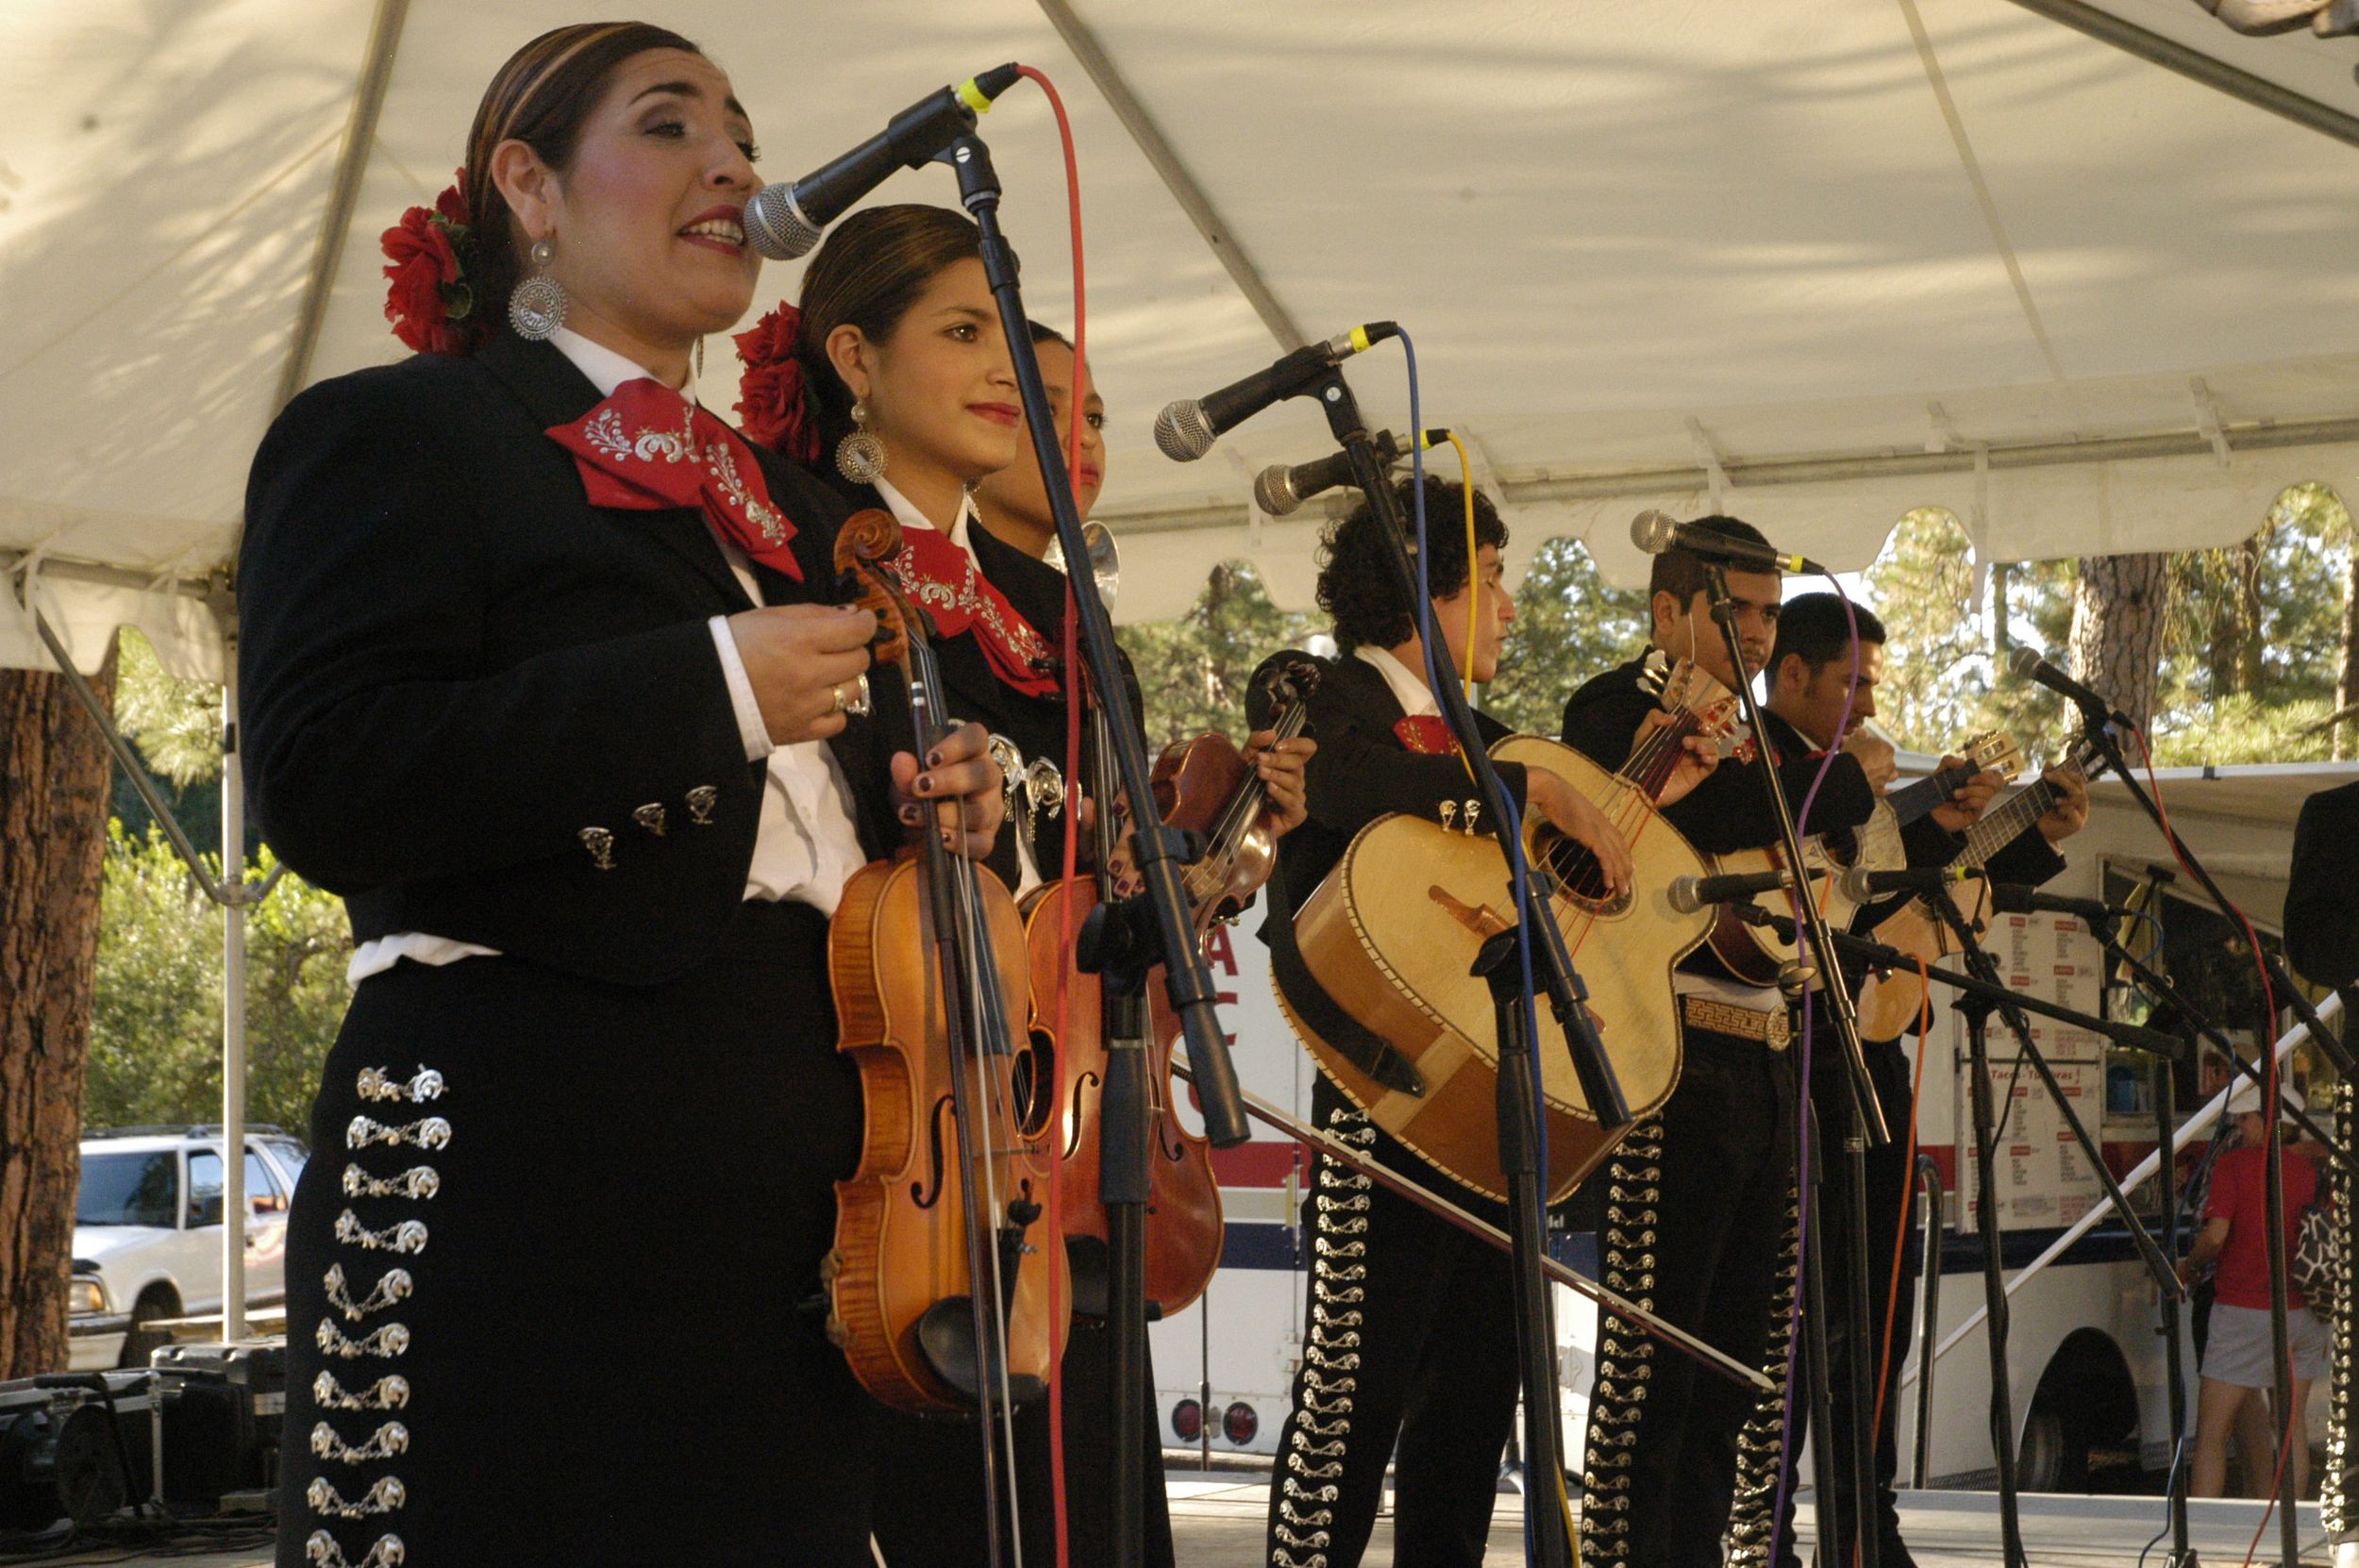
[1391,936]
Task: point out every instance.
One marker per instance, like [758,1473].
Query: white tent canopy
[1813,264]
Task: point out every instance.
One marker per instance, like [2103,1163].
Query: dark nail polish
[934,759]
[925,784]
[911,815]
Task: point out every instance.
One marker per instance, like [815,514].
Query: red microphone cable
[1061,1111]
[2269,1094]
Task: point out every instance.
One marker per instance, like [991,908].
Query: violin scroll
[865,547]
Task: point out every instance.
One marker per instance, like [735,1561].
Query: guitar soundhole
[1569,869]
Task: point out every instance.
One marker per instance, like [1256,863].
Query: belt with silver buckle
[1773,1029]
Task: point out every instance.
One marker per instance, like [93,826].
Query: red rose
[427,300]
[452,202]
[771,406]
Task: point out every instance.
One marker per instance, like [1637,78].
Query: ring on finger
[835,694]
[859,707]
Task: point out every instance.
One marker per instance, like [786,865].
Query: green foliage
[2252,643]
[1193,671]
[154,1050]
[176,724]
[1570,626]
[1946,674]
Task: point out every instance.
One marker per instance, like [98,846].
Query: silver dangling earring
[536,307]
[861,457]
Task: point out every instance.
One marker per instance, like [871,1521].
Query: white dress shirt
[1409,687]
[805,846]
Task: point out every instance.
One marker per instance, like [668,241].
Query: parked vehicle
[147,1233]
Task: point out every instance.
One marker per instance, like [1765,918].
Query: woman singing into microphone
[543,676]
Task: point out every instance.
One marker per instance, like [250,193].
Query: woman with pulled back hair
[894,380]
[543,674]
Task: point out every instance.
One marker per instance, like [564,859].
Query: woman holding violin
[1183,1224]
[543,675]
[892,381]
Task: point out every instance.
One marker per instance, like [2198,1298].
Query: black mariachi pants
[542,1269]
[1887,1174]
[1697,1216]
[1409,1337]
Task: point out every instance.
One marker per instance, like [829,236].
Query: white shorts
[2242,1351]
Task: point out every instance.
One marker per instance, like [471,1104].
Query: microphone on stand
[2030,666]
[1187,428]
[1655,532]
[1863,886]
[784,221]
[1689,894]
[2022,898]
[1278,489]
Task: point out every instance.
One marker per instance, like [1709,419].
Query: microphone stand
[2097,721]
[1132,938]
[1982,992]
[1865,1126]
[2164,1090]
[1518,1101]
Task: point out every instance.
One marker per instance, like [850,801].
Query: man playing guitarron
[1408,1333]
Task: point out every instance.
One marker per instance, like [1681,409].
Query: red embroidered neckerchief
[648,448]
[1428,734]
[941,578]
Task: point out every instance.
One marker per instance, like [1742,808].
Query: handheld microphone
[784,221]
[2022,898]
[2028,664]
[1655,532]
[1278,489]
[1689,894]
[1863,886]
[1187,428]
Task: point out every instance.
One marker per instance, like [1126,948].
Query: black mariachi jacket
[1361,772]
[453,667]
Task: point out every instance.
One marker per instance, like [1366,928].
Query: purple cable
[1801,1099]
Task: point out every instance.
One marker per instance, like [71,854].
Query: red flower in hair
[771,406]
[428,300]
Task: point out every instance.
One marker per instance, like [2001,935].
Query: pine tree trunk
[2117,605]
[2347,683]
[54,779]
[2249,617]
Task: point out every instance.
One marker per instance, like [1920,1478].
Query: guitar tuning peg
[1474,810]
[1448,811]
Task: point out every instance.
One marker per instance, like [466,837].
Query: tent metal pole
[352,162]
[1833,469]
[2198,66]
[234,1213]
[1175,173]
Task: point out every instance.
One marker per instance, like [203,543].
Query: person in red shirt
[2238,1360]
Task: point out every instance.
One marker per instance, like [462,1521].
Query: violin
[1208,788]
[1184,1214]
[939,1285]
[1204,787]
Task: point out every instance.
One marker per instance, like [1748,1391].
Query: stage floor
[1218,1523]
